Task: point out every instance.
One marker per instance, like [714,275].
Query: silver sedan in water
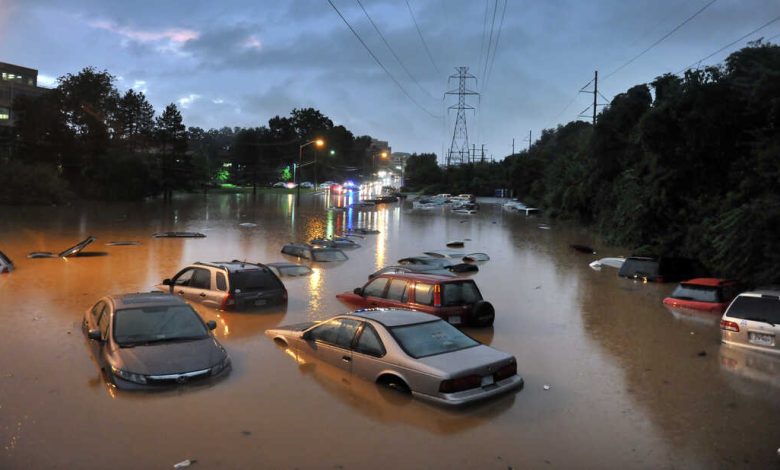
[406,350]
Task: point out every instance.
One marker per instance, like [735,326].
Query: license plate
[453,320]
[259,302]
[761,339]
[487,380]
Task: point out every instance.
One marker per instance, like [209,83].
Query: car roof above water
[233,266]
[391,317]
[144,299]
[423,277]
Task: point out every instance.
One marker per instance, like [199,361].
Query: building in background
[15,81]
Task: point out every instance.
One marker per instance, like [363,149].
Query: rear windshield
[755,308]
[157,324]
[254,280]
[697,293]
[431,338]
[328,255]
[294,270]
[459,293]
[635,266]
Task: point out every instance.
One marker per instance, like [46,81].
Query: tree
[171,139]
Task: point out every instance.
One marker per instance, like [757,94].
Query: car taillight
[228,301]
[505,372]
[437,295]
[729,325]
[4,270]
[460,384]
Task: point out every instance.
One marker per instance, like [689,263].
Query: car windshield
[696,292]
[294,270]
[637,266]
[144,325]
[459,293]
[765,309]
[328,255]
[431,338]
[254,280]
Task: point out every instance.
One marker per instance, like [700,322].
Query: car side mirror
[358,291]
[94,334]
[211,324]
[306,336]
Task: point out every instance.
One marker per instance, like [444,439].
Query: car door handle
[346,358]
[202,294]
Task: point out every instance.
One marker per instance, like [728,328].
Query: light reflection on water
[627,384]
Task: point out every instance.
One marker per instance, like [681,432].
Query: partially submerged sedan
[148,340]
[409,351]
[708,294]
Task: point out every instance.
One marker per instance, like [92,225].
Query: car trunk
[478,360]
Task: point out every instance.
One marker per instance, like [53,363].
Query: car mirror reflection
[211,324]
[167,282]
[358,290]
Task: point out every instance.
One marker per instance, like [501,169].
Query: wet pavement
[631,384]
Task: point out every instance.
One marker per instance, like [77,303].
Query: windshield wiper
[762,320]
[177,339]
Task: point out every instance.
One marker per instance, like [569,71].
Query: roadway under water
[628,383]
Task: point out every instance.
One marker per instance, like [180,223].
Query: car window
[184,278]
[430,338]
[97,310]
[252,280]
[696,293]
[338,332]
[397,290]
[764,309]
[328,255]
[369,342]
[158,324]
[460,293]
[423,293]
[375,288]
[221,282]
[103,321]
[201,279]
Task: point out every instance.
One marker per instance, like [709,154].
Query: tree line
[684,166]
[86,139]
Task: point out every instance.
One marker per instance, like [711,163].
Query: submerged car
[289,269]
[752,321]
[412,268]
[315,253]
[6,265]
[148,340]
[439,263]
[342,243]
[663,269]
[72,251]
[709,294]
[454,299]
[227,285]
[409,351]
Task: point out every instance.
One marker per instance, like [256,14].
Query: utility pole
[596,94]
[513,145]
[460,136]
[529,141]
[483,153]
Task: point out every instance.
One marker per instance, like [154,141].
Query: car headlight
[129,376]
[222,365]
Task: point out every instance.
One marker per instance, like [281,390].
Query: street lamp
[373,160]
[318,143]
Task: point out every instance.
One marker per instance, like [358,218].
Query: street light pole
[319,143]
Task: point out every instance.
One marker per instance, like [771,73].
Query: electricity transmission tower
[594,108]
[459,149]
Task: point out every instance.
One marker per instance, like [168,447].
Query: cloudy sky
[241,62]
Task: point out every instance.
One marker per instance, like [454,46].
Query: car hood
[170,358]
[476,360]
[290,330]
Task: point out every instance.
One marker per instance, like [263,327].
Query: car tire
[483,313]
[394,383]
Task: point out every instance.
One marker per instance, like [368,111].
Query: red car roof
[422,277]
[709,281]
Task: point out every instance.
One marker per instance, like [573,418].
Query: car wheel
[483,313]
[394,383]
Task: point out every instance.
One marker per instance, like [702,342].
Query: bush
[21,183]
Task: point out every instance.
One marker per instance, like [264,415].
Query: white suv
[753,321]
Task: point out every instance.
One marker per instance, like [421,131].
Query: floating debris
[543,226]
[75,249]
[178,235]
[247,224]
[546,387]
[6,265]
[184,463]
[123,243]
[455,244]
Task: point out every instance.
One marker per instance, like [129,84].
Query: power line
[398,59]
[696,64]
[660,40]
[382,65]
[490,41]
[433,62]
[495,48]
[484,35]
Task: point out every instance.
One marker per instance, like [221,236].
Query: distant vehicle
[752,321]
[465,208]
[441,263]
[227,285]
[412,268]
[428,203]
[307,185]
[456,300]
[314,253]
[463,198]
[383,199]
[514,205]
[616,263]
[291,185]
[411,352]
[709,294]
[6,265]
[72,251]
[289,269]
[280,184]
[342,243]
[151,340]
[459,255]
[326,185]
[651,269]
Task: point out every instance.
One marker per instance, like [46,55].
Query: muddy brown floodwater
[628,384]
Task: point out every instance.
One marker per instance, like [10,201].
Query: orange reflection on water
[315,283]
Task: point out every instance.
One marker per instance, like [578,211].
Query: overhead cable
[425,45]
